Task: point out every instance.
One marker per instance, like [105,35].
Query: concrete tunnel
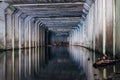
[30,31]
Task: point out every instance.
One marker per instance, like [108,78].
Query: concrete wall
[100,29]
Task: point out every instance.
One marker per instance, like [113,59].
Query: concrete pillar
[26,27]
[13,44]
[43,36]
[8,23]
[3,6]
[39,33]
[16,29]
[36,33]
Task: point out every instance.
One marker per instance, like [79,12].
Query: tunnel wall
[99,30]
[57,38]
[18,30]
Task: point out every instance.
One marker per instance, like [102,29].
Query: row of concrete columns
[20,30]
[99,30]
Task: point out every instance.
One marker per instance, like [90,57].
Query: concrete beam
[53,14]
[52,9]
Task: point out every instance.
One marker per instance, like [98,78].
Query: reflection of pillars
[25,64]
[13,65]
[5,66]
[105,74]
[38,58]
[32,66]
[19,64]
[30,61]
[42,56]
[35,58]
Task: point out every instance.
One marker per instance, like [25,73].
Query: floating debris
[105,62]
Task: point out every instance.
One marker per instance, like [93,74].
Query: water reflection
[85,59]
[21,64]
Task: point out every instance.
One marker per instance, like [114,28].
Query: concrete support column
[26,30]
[13,44]
[39,33]
[40,36]
[36,33]
[43,36]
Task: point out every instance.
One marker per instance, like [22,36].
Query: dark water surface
[55,63]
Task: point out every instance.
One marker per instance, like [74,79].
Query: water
[85,59]
[55,63]
[20,64]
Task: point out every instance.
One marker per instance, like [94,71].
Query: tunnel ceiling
[41,1]
[57,15]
